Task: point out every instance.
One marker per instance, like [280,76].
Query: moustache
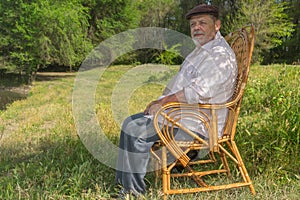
[198,33]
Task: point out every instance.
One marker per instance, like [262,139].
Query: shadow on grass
[11,89]
[8,97]
[14,87]
[12,80]
[53,169]
[49,76]
[16,80]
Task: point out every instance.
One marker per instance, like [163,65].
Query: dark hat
[203,9]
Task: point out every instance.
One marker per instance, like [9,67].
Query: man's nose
[197,26]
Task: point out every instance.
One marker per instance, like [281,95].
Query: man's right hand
[153,107]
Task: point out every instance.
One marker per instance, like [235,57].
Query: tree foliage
[271,21]
[289,51]
[42,33]
[58,33]
[110,17]
[156,12]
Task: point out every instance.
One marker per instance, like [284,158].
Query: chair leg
[165,173]
[242,167]
[197,179]
[225,162]
[212,156]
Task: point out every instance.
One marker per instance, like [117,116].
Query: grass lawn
[42,157]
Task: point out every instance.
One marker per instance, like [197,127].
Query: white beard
[196,42]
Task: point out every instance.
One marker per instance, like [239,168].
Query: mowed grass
[42,157]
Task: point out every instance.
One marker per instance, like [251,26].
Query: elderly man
[207,75]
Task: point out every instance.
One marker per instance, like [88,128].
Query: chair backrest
[242,43]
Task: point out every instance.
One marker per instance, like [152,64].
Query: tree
[156,12]
[289,51]
[272,24]
[63,33]
[40,33]
[110,17]
[150,13]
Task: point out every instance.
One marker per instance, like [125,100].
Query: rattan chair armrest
[170,116]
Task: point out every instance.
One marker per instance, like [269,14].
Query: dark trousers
[137,137]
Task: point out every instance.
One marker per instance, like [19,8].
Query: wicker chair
[222,153]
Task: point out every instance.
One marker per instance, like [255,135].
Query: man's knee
[134,125]
[126,122]
[129,120]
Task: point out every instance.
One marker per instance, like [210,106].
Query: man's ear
[217,25]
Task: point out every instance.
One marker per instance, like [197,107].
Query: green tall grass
[41,156]
[270,120]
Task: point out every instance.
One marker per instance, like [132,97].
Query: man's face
[204,28]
